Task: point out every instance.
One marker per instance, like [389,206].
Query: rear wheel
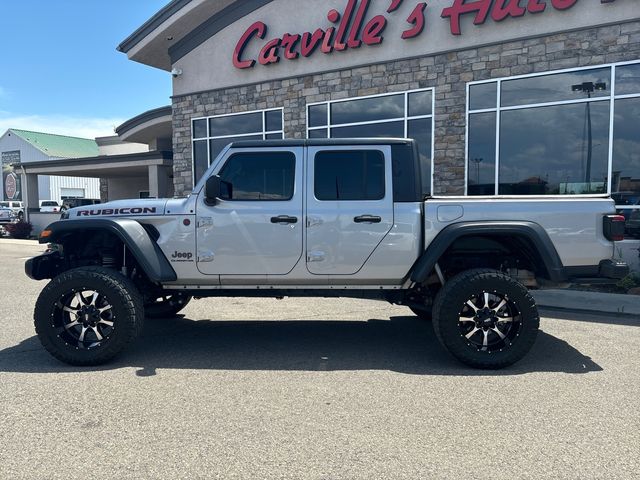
[485,319]
[166,306]
[88,315]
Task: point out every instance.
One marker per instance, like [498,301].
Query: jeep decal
[117,211]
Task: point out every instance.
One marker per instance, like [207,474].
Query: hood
[119,208]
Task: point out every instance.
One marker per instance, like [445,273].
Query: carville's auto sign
[352,28]
[10,181]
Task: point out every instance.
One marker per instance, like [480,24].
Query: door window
[349,175]
[266,176]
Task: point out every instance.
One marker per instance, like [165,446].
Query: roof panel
[61,146]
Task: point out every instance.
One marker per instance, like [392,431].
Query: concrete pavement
[314,389]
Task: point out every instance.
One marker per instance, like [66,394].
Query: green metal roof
[59,146]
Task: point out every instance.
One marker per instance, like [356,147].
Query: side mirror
[212,189]
[217,189]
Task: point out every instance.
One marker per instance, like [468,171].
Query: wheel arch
[530,234]
[131,233]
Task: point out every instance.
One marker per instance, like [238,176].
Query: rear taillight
[614,226]
[55,210]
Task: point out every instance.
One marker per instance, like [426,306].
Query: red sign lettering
[350,29]
[417,20]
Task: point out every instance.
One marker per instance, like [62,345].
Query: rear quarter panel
[574,225]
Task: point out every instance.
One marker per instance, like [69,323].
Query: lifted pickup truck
[319,218]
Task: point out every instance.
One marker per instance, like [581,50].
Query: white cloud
[85,127]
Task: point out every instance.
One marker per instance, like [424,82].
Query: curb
[554,308]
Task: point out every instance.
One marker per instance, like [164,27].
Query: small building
[22,147]
[135,163]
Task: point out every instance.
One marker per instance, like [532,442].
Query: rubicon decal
[117,211]
[355,27]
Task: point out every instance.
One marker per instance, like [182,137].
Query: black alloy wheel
[485,319]
[88,315]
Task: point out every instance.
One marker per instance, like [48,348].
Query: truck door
[256,229]
[349,206]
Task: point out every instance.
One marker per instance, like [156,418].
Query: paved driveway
[318,389]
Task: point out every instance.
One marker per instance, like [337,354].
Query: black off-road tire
[453,317]
[168,307]
[118,295]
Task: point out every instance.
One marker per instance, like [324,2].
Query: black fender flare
[143,248]
[530,231]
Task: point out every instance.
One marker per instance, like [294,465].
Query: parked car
[319,218]
[16,206]
[7,215]
[49,206]
[78,202]
[633,223]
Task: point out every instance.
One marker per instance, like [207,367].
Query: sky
[60,71]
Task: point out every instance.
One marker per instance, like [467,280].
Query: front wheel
[486,319]
[88,315]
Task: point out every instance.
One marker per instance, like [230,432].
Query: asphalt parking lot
[314,389]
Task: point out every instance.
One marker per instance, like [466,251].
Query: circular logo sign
[11,186]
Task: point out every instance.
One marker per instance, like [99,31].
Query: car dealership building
[504,97]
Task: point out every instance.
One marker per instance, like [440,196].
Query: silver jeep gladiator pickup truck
[323,218]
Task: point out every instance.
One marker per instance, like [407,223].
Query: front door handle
[284,219]
[367,219]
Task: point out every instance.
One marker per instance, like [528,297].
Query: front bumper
[43,266]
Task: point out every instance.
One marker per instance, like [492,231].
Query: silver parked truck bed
[327,218]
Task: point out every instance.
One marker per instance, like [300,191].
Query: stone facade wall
[447,73]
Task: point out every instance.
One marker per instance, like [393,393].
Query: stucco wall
[448,73]
[126,188]
[209,66]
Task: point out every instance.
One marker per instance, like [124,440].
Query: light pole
[477,161]
[589,88]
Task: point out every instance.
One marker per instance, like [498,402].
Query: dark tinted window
[420,130]
[482,154]
[318,115]
[368,109]
[420,103]
[200,158]
[625,186]
[200,129]
[260,176]
[349,175]
[628,79]
[273,120]
[218,144]
[548,150]
[483,96]
[235,124]
[557,87]
[377,130]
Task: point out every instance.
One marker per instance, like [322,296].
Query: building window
[211,134]
[572,132]
[403,115]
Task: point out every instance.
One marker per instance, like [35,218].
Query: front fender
[143,248]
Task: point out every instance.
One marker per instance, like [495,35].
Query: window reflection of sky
[553,88]
[548,147]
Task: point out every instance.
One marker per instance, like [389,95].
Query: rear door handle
[367,219]
[284,219]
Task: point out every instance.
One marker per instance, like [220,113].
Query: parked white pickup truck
[323,218]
